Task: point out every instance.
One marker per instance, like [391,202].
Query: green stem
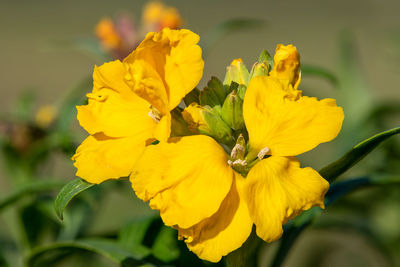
[247,254]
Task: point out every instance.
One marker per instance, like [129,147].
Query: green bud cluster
[217,110]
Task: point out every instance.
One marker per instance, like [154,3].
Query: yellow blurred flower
[121,36]
[45,116]
[202,191]
[108,35]
[131,101]
[157,16]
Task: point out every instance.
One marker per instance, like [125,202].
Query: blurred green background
[37,54]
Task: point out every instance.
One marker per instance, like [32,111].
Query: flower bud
[232,111]
[287,65]
[263,66]
[207,120]
[237,72]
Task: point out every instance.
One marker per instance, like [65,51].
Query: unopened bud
[207,120]
[237,72]
[263,66]
[287,65]
[232,111]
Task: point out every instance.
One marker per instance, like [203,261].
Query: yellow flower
[131,101]
[108,34]
[197,187]
[45,116]
[158,16]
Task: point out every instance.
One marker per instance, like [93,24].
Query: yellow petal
[111,75]
[277,189]
[184,66]
[287,127]
[113,108]
[186,179]
[165,67]
[108,112]
[163,128]
[223,232]
[144,78]
[287,65]
[100,157]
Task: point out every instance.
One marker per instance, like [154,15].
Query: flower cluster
[223,163]
[121,36]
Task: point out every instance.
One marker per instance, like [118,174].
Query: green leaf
[340,189]
[226,27]
[133,234]
[29,189]
[310,70]
[354,93]
[67,110]
[165,247]
[295,227]
[358,152]
[214,94]
[192,97]
[105,247]
[67,193]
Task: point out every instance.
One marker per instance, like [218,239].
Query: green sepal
[213,94]
[232,111]
[217,128]
[192,97]
[179,127]
[237,72]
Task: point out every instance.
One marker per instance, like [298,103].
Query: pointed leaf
[310,70]
[295,227]
[357,153]
[67,193]
[105,247]
[29,189]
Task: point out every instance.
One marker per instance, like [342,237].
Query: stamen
[154,114]
[236,149]
[263,152]
[241,162]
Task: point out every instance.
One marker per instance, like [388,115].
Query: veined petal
[110,113]
[111,75]
[100,157]
[184,66]
[285,126]
[186,179]
[145,80]
[223,232]
[277,189]
[170,66]
[113,108]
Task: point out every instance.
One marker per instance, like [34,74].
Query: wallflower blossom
[120,36]
[45,116]
[131,101]
[214,198]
